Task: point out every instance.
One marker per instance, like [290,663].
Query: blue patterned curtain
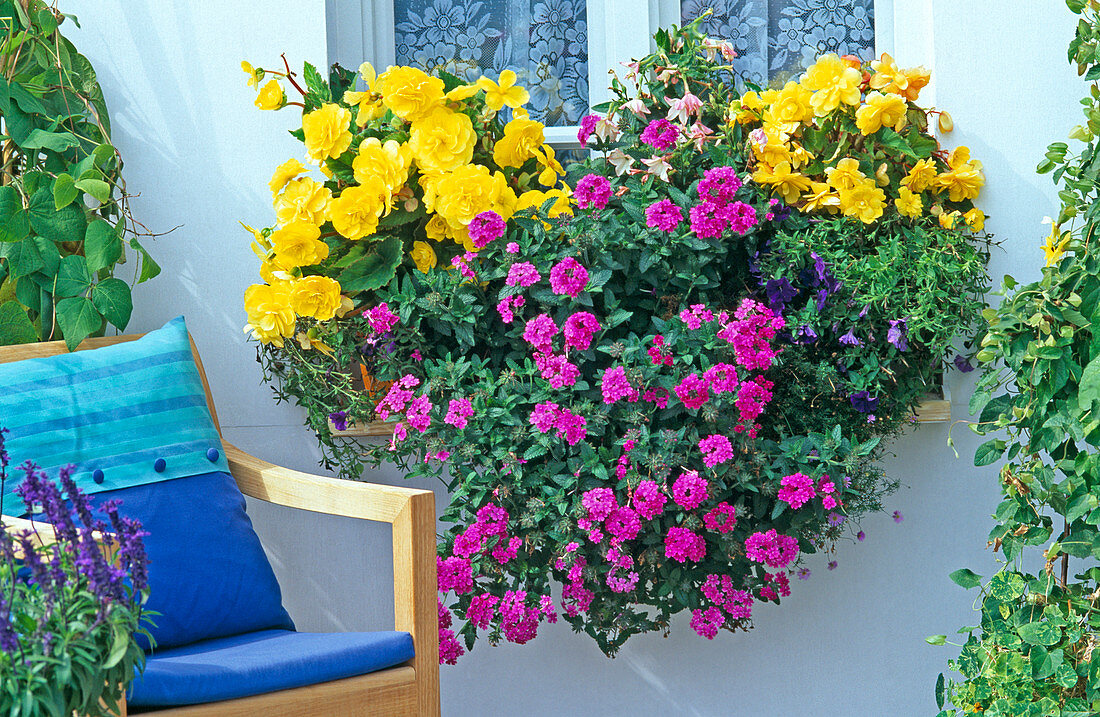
[775,39]
[544,41]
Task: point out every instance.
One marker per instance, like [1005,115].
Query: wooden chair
[408,689]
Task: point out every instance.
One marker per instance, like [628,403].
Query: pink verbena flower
[454,573]
[511,247]
[616,386]
[797,489]
[696,315]
[522,273]
[579,328]
[418,414]
[507,305]
[707,622]
[481,610]
[751,333]
[445,618]
[716,449]
[397,397]
[660,134]
[505,550]
[826,488]
[486,227]
[540,332]
[519,623]
[568,277]
[690,490]
[621,584]
[546,607]
[719,590]
[599,502]
[741,217]
[693,391]
[722,378]
[708,221]
[558,370]
[576,598]
[592,191]
[545,416]
[773,548]
[571,426]
[753,396]
[658,396]
[682,545]
[380,318]
[649,500]
[721,518]
[449,648]
[782,584]
[719,185]
[458,411]
[623,524]
[657,353]
[663,215]
[588,126]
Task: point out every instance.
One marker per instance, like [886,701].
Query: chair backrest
[18,352]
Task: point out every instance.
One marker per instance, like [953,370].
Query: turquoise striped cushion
[117,413]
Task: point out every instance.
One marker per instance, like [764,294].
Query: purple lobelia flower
[339,420]
[779,292]
[897,334]
[850,339]
[963,364]
[863,402]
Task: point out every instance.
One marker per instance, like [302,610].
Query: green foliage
[63,204]
[1039,395]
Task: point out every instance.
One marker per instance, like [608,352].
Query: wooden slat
[379,694]
[934,411]
[414,597]
[275,484]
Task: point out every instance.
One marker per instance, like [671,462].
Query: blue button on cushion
[208,575]
[117,409]
[262,662]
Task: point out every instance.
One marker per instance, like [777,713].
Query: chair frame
[411,688]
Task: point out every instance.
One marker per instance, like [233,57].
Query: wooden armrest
[411,512]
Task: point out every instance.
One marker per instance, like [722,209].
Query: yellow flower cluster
[831,142]
[410,146]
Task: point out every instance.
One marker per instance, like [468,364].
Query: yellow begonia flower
[442,140]
[773,150]
[1055,245]
[789,184]
[356,211]
[309,341]
[975,219]
[370,102]
[469,190]
[326,131]
[522,140]
[908,203]
[254,75]
[423,256]
[273,272]
[964,179]
[948,220]
[285,172]
[821,197]
[315,296]
[462,92]
[880,111]
[917,79]
[800,157]
[303,200]
[503,92]
[297,244]
[845,175]
[270,318]
[387,161]
[791,108]
[534,199]
[865,202]
[409,93]
[921,176]
[832,82]
[436,228]
[271,97]
[887,76]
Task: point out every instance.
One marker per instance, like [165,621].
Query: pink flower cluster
[418,413]
[519,623]
[693,391]
[615,386]
[454,573]
[592,191]
[720,591]
[751,332]
[458,411]
[719,185]
[397,397]
[663,215]
[576,598]
[682,545]
[656,354]
[547,416]
[380,318]
[507,305]
[449,648]
[486,227]
[588,126]
[716,449]
[660,134]
[721,518]
[557,369]
[717,211]
[782,586]
[690,490]
[751,400]
[540,332]
[772,548]
[649,500]
[695,315]
[522,273]
[796,489]
[481,610]
[578,330]
[568,277]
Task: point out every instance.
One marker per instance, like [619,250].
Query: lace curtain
[779,38]
[544,41]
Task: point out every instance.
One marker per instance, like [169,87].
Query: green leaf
[989,452]
[315,83]
[936,639]
[1039,633]
[64,191]
[15,228]
[939,692]
[893,140]
[15,325]
[72,277]
[1066,676]
[119,644]
[374,269]
[78,319]
[56,141]
[1088,390]
[112,298]
[102,246]
[97,188]
[966,578]
[30,255]
[149,268]
[62,225]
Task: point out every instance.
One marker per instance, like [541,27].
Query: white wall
[848,642]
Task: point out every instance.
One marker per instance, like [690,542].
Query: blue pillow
[133,419]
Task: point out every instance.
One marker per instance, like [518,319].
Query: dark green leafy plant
[64,217]
[1039,399]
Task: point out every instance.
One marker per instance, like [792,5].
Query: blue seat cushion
[259,662]
[208,575]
